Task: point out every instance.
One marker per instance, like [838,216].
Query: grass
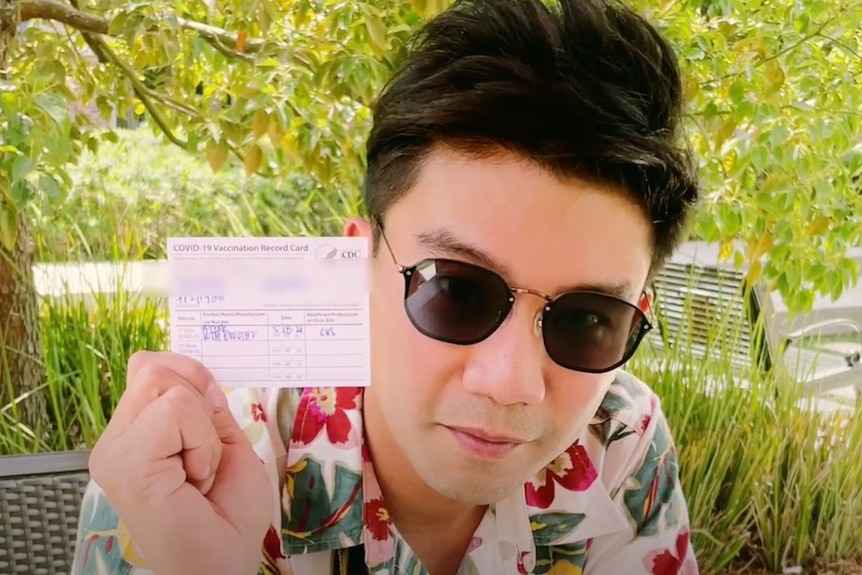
[768,484]
[85,346]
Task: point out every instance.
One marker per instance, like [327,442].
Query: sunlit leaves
[217,153]
[774,105]
[253,159]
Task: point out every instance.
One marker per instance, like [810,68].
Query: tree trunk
[21,366]
[10,19]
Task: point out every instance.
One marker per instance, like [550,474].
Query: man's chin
[474,488]
[481,494]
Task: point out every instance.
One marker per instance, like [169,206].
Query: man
[523,183]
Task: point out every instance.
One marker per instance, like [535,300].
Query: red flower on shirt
[272,552]
[572,470]
[257,412]
[324,408]
[667,562]
[377,519]
[644,423]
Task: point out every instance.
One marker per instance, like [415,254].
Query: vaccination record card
[272,312]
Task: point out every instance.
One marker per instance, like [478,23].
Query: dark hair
[586,89]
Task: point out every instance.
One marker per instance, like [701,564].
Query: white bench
[701,300]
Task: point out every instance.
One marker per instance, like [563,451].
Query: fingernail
[216,397]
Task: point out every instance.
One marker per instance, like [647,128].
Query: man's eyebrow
[621,290]
[444,241]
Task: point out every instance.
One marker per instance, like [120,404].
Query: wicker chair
[40,498]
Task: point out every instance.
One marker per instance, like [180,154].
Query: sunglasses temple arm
[379,226]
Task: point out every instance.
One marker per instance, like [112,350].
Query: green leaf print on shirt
[569,558]
[100,546]
[629,384]
[613,404]
[548,527]
[316,521]
[608,431]
[652,488]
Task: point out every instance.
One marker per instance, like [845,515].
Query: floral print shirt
[611,503]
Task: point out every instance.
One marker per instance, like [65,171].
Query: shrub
[127,197]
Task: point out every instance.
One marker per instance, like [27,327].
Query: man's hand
[180,472]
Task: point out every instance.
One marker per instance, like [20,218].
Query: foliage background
[773,94]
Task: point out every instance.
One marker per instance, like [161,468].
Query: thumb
[241,490]
[225,423]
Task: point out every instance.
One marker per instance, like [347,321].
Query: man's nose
[508,367]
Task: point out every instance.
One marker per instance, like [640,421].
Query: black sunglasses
[461,303]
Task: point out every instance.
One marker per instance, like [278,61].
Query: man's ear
[357,227]
[646,300]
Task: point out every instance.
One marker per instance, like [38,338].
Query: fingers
[228,429]
[172,440]
[151,374]
[191,370]
[179,422]
[171,421]
[239,485]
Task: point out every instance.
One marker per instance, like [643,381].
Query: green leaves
[253,159]
[772,93]
[216,154]
[774,118]
[309,525]
[376,29]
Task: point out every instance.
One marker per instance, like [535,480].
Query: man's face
[429,398]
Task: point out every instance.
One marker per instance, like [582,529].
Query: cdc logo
[328,252]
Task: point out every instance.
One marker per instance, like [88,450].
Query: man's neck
[425,518]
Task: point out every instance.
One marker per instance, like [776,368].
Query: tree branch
[843,44]
[215,43]
[141,91]
[64,13]
[91,27]
[105,55]
[215,34]
[94,24]
[771,57]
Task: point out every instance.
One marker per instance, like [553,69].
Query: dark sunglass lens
[591,332]
[455,301]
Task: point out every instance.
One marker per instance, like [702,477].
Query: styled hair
[583,88]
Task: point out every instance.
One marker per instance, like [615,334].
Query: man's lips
[483,444]
[488,436]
